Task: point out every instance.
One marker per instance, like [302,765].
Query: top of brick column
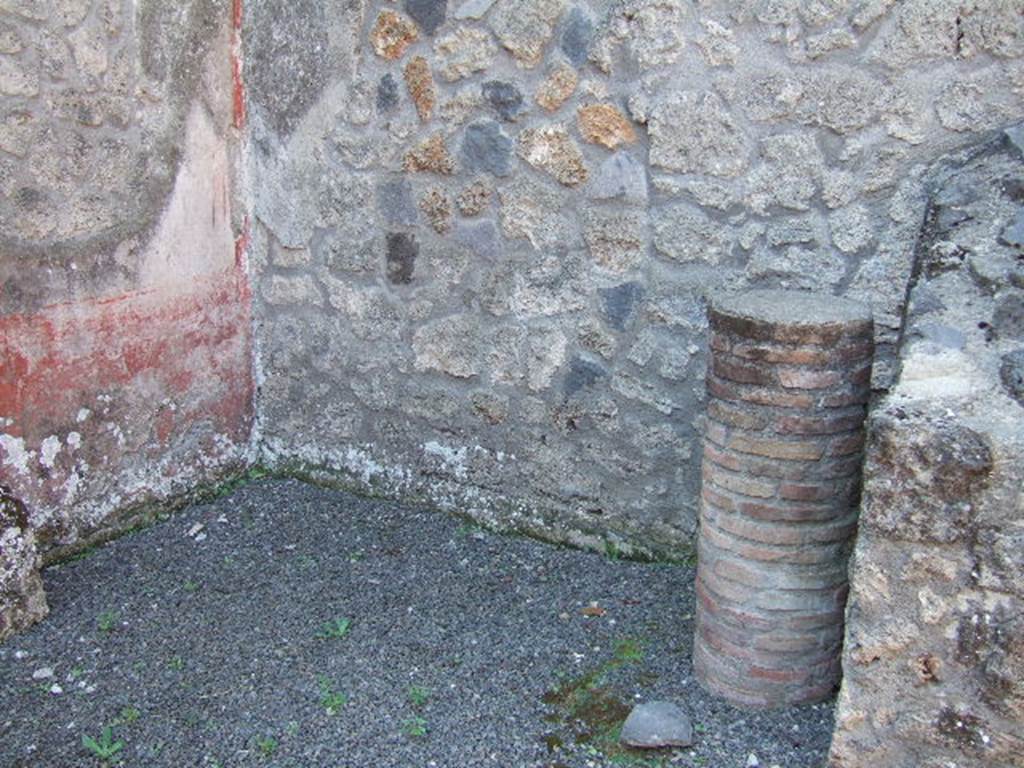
[790,316]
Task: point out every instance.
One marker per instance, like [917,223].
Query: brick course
[787,392]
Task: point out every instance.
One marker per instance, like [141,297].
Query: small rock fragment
[429,14]
[43,673]
[430,156]
[463,52]
[576,37]
[504,97]
[420,83]
[402,251]
[392,34]
[557,87]
[605,125]
[474,198]
[550,149]
[387,93]
[487,149]
[525,26]
[620,176]
[1011,372]
[752,761]
[657,724]
[437,208]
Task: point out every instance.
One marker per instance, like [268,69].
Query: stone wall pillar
[788,383]
[22,600]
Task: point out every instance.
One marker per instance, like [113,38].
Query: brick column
[788,383]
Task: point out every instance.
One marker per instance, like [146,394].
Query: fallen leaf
[594,610]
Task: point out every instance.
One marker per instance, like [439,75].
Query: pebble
[56,690]
[43,673]
[752,761]
[657,724]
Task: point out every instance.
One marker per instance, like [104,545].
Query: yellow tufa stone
[392,35]
[420,83]
[605,125]
[430,156]
[557,87]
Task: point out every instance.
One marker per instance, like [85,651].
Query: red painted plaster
[238,85]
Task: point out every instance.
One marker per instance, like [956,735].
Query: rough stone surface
[605,125]
[551,149]
[463,52]
[428,14]
[486,148]
[576,36]
[504,98]
[525,26]
[694,132]
[430,156]
[387,93]
[932,659]
[620,176]
[437,210]
[401,257]
[420,83]
[22,599]
[657,724]
[557,87]
[474,199]
[392,35]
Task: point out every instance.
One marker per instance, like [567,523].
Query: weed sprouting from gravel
[335,630]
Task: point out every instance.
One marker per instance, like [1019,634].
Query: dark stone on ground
[197,652]
[657,724]
[401,257]
[487,149]
[505,98]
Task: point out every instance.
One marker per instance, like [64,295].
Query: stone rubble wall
[484,230]
[125,324]
[933,658]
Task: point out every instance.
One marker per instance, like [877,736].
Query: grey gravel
[199,652]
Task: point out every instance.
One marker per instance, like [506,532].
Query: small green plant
[176,663]
[611,550]
[190,586]
[266,745]
[418,695]
[415,727]
[357,556]
[335,630]
[105,747]
[106,620]
[331,700]
[128,716]
[629,649]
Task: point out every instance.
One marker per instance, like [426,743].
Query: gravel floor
[229,646]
